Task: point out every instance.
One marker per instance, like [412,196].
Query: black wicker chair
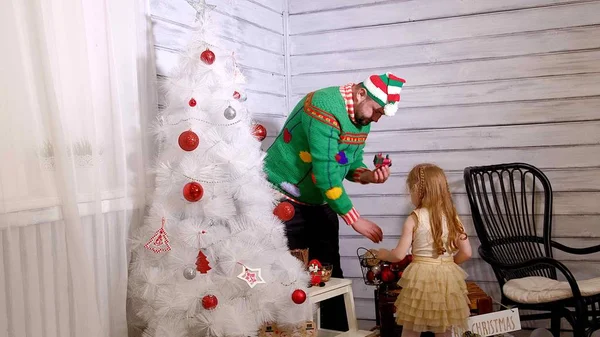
[511,206]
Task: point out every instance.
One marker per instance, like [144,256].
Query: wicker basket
[302,255]
[326,272]
[367,261]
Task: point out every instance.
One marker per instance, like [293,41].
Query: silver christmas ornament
[230,113]
[376,269]
[189,273]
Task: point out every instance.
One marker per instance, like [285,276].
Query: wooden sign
[495,323]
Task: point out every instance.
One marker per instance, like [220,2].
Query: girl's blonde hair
[428,182]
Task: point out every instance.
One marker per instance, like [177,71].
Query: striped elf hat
[385,90]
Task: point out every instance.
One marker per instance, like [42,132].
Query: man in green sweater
[322,144]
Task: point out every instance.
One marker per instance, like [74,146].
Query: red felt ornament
[315,279]
[202,263]
[284,211]
[188,140]
[192,102]
[193,191]
[209,302]
[298,296]
[159,243]
[207,56]
[259,132]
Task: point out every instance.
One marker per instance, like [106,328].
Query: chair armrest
[554,244]
[536,262]
[577,251]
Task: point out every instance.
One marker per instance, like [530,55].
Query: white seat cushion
[537,289]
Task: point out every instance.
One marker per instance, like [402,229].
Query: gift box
[306,329]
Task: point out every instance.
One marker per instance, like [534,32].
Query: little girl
[434,293]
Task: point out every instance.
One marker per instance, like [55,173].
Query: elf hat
[385,90]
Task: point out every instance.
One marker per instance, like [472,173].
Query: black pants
[317,228]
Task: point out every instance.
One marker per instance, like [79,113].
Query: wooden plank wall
[487,82]
[252,28]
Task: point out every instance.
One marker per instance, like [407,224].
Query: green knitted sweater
[317,149]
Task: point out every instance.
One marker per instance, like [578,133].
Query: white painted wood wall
[253,28]
[487,82]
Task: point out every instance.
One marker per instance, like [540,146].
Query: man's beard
[360,119]
[363,121]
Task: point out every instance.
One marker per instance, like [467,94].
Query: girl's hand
[382,254]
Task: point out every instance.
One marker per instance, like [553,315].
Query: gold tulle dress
[434,293]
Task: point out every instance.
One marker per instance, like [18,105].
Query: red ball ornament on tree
[188,140]
[193,191]
[209,302]
[207,57]
[284,211]
[192,102]
[298,296]
[259,132]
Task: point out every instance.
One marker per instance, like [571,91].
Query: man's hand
[377,176]
[368,229]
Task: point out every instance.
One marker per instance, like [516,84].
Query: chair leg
[555,323]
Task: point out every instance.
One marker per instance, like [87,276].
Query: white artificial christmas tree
[211,258]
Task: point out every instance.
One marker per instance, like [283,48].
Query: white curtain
[76,92]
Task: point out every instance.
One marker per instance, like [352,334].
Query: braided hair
[429,184]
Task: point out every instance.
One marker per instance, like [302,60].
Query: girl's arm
[464,249]
[397,254]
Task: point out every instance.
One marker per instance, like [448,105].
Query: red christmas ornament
[405,262]
[202,263]
[259,132]
[207,56]
[188,140]
[298,296]
[284,211]
[387,275]
[287,135]
[236,95]
[209,302]
[370,276]
[192,102]
[193,191]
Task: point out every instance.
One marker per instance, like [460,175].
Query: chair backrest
[511,205]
